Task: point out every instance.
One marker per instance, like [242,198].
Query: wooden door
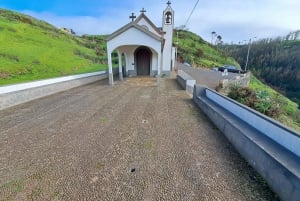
[143,57]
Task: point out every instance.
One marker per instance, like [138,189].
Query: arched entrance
[143,57]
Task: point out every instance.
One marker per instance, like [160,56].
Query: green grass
[290,107]
[34,50]
[290,111]
[194,50]
[13,187]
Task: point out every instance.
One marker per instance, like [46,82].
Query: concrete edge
[277,165]
[40,83]
[21,93]
[186,81]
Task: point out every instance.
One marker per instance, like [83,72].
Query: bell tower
[168,27]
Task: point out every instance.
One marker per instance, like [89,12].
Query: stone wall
[242,80]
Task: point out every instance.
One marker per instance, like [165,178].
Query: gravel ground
[130,141]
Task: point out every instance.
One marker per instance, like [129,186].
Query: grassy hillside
[194,50]
[275,61]
[289,112]
[32,49]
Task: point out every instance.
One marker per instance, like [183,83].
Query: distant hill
[276,61]
[32,49]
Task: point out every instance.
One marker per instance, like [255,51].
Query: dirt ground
[130,141]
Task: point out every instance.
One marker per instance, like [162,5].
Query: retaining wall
[269,147]
[186,81]
[12,95]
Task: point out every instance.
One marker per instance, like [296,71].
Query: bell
[168,19]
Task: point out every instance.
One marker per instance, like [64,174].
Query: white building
[143,49]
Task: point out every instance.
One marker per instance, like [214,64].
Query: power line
[191,13]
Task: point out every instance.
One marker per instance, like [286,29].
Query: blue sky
[234,20]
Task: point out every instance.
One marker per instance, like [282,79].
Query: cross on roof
[169,3]
[143,10]
[132,17]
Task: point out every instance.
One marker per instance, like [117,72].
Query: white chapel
[143,49]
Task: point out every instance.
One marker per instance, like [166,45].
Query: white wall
[20,93]
[150,28]
[129,50]
[133,36]
[128,41]
[264,124]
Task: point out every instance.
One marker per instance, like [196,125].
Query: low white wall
[23,86]
[273,129]
[267,145]
[186,81]
[12,95]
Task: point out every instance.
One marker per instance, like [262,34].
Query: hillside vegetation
[193,49]
[199,53]
[32,49]
[268,101]
[274,61]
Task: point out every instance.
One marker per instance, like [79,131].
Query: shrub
[99,51]
[260,101]
[200,53]
[11,29]
[297,116]
[243,95]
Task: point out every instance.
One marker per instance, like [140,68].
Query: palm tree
[219,39]
[213,33]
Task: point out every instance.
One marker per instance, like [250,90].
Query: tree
[72,32]
[276,61]
[219,40]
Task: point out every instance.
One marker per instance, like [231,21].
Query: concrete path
[130,141]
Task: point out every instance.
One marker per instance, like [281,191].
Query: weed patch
[99,165]
[12,29]
[13,188]
[103,120]
[4,75]
[10,57]
[35,194]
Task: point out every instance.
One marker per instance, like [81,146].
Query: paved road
[130,141]
[206,77]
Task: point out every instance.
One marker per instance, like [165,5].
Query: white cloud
[234,20]
[80,24]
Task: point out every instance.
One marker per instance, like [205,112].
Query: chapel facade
[143,49]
